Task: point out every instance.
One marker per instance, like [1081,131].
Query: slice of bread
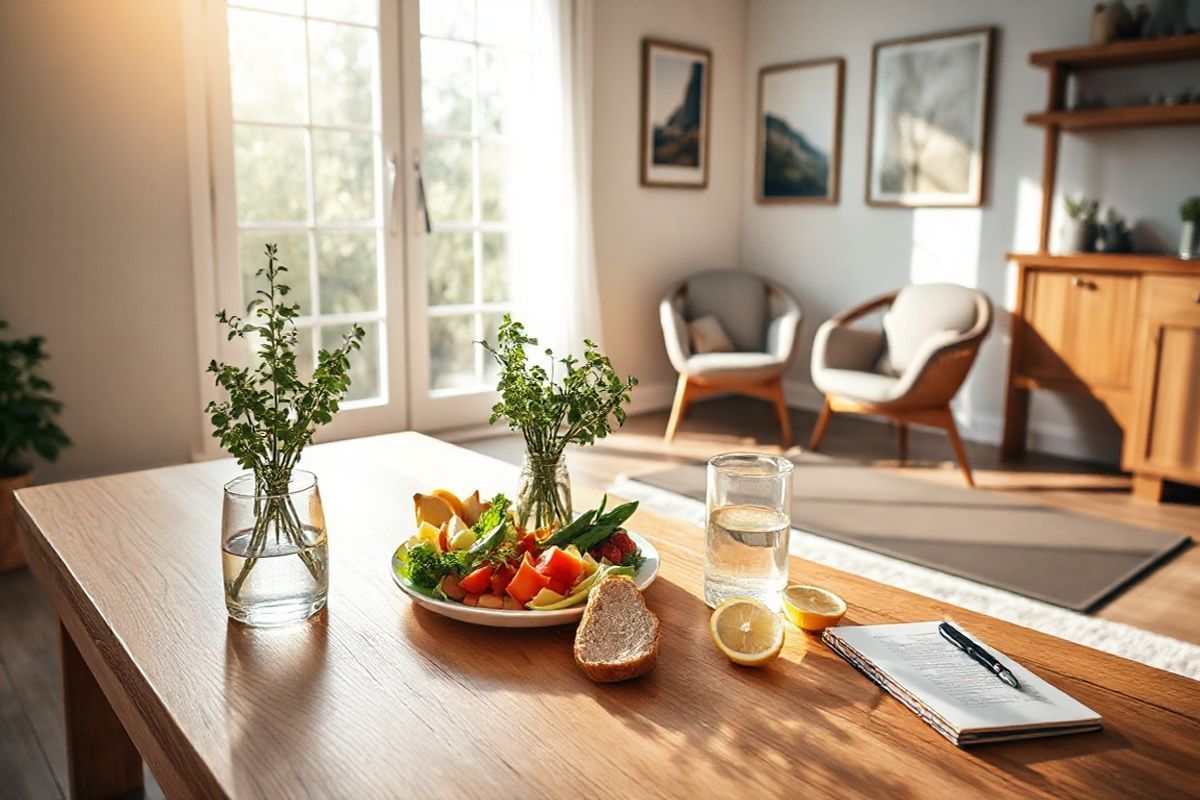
[617,638]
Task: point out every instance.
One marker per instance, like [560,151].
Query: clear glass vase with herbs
[274,542]
[554,403]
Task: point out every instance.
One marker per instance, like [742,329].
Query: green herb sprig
[559,402]
[270,414]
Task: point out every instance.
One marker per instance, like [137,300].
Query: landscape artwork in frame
[675,109]
[928,119]
[799,132]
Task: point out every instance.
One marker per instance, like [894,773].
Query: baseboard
[1044,437]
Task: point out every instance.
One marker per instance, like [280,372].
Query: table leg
[101,760]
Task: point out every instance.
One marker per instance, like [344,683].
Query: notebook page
[955,687]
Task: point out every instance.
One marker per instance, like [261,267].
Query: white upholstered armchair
[745,351]
[911,368]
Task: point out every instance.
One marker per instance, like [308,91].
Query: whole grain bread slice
[617,638]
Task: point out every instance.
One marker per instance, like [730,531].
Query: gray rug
[1070,560]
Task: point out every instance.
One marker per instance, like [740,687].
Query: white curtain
[553,252]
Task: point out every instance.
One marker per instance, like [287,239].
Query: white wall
[647,238]
[94,228]
[838,255]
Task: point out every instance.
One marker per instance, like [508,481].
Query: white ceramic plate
[496,618]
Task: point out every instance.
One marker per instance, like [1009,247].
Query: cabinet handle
[1077,281]
[1197,297]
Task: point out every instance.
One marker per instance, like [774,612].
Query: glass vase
[544,494]
[274,550]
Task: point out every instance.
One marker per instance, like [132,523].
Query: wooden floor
[32,752]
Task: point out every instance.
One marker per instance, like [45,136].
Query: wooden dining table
[376,697]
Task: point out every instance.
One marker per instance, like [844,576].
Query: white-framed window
[475,65]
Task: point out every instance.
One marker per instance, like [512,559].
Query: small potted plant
[1189,238]
[274,549]
[1078,230]
[27,428]
[563,401]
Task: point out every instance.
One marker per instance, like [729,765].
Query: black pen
[963,642]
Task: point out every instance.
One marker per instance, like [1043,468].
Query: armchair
[762,321]
[908,371]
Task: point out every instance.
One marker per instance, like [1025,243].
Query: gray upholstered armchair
[761,321]
[909,370]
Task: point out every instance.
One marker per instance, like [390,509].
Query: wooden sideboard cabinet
[1124,329]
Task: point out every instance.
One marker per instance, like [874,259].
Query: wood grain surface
[375,697]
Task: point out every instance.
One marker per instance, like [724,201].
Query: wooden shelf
[1119,117]
[1110,262]
[1121,54]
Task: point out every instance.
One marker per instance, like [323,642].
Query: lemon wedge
[812,608]
[746,631]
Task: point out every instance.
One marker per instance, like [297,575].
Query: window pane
[447,83]
[364,363]
[493,181]
[495,267]
[503,80]
[266,67]
[448,179]
[342,62]
[450,261]
[347,271]
[452,18]
[306,354]
[491,332]
[364,11]
[505,22]
[270,177]
[293,254]
[344,176]
[286,6]
[452,353]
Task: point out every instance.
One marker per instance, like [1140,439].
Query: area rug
[1126,641]
[1069,560]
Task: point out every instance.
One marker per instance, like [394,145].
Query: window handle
[393,208]
[421,204]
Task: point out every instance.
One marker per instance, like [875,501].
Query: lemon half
[812,608]
[746,631]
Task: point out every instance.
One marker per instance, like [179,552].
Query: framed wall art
[676,82]
[799,132]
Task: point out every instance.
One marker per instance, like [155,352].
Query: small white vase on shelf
[1189,241]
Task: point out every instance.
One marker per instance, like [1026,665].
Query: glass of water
[747,525]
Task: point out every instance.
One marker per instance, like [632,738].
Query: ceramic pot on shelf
[1189,241]
[1075,236]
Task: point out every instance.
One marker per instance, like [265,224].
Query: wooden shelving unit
[1061,63]
[1121,117]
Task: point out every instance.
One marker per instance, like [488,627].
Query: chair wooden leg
[819,429]
[678,408]
[902,440]
[781,410]
[959,452]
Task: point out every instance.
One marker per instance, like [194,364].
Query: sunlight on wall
[945,246]
[1025,229]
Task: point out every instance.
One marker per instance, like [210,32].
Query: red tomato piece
[527,582]
[559,564]
[501,577]
[555,585]
[528,544]
[478,581]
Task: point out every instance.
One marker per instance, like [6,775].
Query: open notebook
[953,693]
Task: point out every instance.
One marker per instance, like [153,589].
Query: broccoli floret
[425,567]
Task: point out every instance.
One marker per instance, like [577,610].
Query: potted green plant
[1078,230]
[28,428]
[274,545]
[1189,238]
[555,403]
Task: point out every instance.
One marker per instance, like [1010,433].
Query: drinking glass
[274,550]
[746,528]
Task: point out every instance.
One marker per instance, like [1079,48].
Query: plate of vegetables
[470,561]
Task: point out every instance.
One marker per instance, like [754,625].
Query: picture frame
[929,115]
[675,111]
[798,132]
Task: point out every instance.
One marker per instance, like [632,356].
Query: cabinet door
[1171,429]
[1079,327]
